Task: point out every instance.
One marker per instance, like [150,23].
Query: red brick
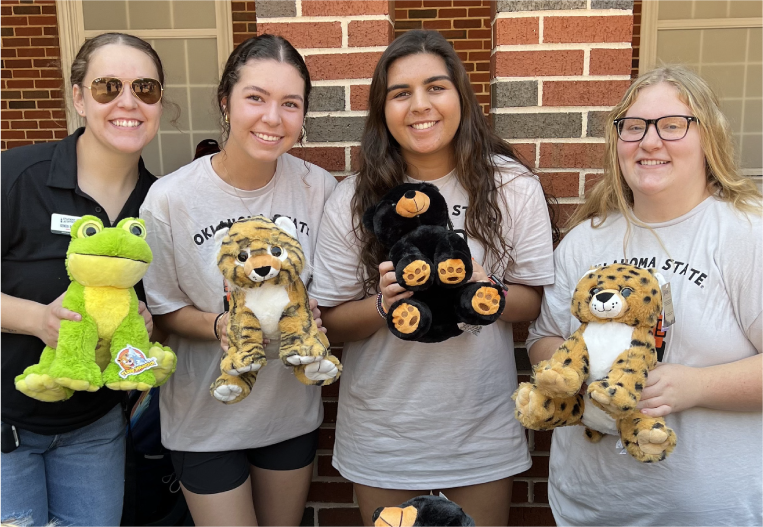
[14,21]
[24,125]
[328,158]
[359,96]
[557,29]
[28,31]
[326,438]
[10,53]
[438,3]
[520,492]
[342,66]
[583,93]
[52,52]
[14,144]
[451,13]
[45,42]
[238,6]
[49,10]
[19,84]
[345,7]
[407,4]
[60,134]
[330,492]
[51,74]
[369,33]
[542,441]
[467,44]
[526,151]
[538,63]
[29,52]
[339,516]
[14,134]
[12,114]
[531,516]
[561,184]
[437,24]
[354,162]
[325,468]
[32,115]
[480,33]
[306,34]
[6,10]
[42,20]
[512,31]
[26,10]
[571,155]
[48,83]
[540,492]
[468,23]
[610,61]
[47,125]
[401,14]
[243,16]
[332,390]
[26,74]
[16,64]
[539,468]
[591,180]
[479,12]
[39,134]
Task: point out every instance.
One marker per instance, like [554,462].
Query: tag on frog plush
[132,361]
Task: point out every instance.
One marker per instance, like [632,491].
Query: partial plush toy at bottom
[261,261]
[613,350]
[110,345]
[434,261]
[422,510]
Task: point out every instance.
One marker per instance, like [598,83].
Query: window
[721,40]
[193,39]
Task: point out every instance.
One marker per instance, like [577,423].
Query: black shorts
[215,472]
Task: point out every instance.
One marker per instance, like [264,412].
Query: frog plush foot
[166,360]
[80,377]
[41,387]
[142,382]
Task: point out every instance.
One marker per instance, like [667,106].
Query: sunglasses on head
[106,89]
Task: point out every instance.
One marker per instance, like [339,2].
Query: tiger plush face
[257,250]
[620,293]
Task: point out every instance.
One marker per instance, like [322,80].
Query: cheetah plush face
[257,250]
[620,293]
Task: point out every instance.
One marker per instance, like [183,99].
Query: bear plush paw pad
[451,271]
[486,301]
[416,273]
[406,318]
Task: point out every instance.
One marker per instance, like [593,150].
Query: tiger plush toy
[613,351]
[261,261]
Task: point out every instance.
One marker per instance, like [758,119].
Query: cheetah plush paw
[532,408]
[648,439]
[614,399]
[557,379]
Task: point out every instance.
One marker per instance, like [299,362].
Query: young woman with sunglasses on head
[415,417]
[671,198]
[250,462]
[69,465]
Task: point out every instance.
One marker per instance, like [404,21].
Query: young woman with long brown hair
[415,417]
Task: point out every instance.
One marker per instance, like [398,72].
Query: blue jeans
[76,478]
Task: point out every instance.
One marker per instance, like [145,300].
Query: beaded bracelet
[380,307]
[497,281]
[217,319]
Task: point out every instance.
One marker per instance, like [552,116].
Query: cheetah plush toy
[432,260]
[612,351]
[261,261]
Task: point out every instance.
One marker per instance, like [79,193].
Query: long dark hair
[263,47]
[382,166]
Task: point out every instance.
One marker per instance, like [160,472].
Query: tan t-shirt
[422,416]
[181,212]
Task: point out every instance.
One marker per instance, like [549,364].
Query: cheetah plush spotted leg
[481,303]
[567,369]
[231,389]
[620,391]
[648,439]
[537,411]
[245,352]
[409,319]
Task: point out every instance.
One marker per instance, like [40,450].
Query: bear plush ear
[287,226]
[368,218]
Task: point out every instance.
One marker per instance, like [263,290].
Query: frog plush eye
[88,229]
[135,227]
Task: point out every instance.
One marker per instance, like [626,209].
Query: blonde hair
[612,194]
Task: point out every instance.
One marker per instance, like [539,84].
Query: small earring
[303,133]
[227,119]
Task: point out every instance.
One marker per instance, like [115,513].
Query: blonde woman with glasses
[65,460]
[671,198]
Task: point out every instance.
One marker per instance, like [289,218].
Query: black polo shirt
[38,181]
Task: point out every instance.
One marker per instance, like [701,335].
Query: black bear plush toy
[422,511]
[433,261]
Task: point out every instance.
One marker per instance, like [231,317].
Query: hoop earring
[227,119]
[303,133]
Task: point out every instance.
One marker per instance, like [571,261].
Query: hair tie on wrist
[380,307]
[217,319]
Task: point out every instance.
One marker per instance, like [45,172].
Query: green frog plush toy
[110,345]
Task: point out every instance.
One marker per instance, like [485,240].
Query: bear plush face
[618,293]
[257,251]
[405,208]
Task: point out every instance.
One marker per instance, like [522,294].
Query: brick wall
[558,67]
[244,21]
[636,41]
[466,25]
[32,86]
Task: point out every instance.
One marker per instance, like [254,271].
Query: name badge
[62,223]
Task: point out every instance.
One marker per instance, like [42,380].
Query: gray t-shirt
[714,263]
[422,416]
[181,212]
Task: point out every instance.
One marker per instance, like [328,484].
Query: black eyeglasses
[669,127]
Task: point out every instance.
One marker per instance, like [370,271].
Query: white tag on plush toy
[619,446]
[469,328]
[667,306]
[132,361]
[62,223]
